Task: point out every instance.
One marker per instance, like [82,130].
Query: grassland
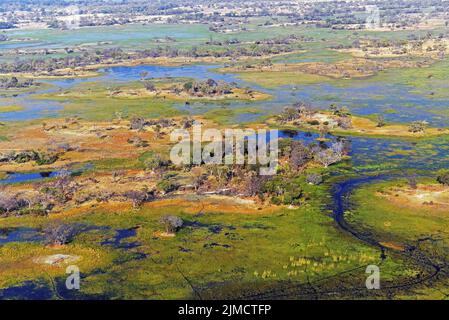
[296,245]
[273,79]
[405,219]
[395,210]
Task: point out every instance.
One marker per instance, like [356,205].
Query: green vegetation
[272,79]
[289,238]
[141,227]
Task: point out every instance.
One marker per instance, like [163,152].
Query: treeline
[13,82]
[119,55]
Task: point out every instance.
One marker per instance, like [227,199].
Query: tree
[198,177]
[443,178]
[171,223]
[299,155]
[338,148]
[283,191]
[59,234]
[10,202]
[254,184]
[157,131]
[412,181]
[330,155]
[149,86]
[380,121]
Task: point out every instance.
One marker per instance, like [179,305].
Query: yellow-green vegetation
[273,79]
[100,107]
[401,212]
[357,126]
[22,261]
[242,236]
[295,245]
[430,81]
[10,108]
[403,216]
[3,175]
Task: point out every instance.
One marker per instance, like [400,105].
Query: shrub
[171,223]
[313,122]
[137,197]
[43,159]
[137,124]
[283,191]
[167,186]
[10,203]
[314,178]
[412,181]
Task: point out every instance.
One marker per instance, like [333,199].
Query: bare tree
[59,234]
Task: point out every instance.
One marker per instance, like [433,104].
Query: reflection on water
[8,235]
[28,177]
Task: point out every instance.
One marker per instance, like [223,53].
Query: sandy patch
[57,259]
[435,197]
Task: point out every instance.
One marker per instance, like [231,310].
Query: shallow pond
[397,102]
[28,177]
[9,235]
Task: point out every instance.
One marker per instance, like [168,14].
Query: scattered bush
[417,126]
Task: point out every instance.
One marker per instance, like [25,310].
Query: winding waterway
[370,157]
